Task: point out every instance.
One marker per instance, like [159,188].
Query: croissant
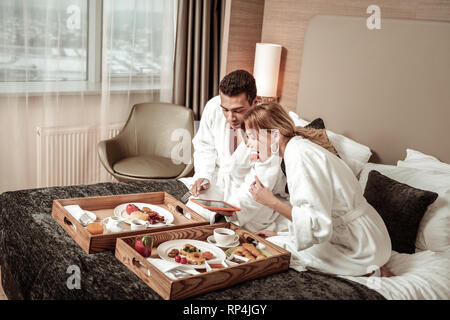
[251,248]
[244,253]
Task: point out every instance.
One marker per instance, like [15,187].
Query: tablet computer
[215,205]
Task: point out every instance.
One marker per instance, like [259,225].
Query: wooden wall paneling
[245,27]
[285,22]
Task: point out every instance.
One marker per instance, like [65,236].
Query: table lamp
[266,69]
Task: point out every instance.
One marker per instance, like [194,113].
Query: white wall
[20,116]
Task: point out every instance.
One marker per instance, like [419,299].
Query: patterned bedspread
[35,254]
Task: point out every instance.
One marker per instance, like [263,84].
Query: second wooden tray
[170,289]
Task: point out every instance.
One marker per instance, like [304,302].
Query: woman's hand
[265,233]
[261,194]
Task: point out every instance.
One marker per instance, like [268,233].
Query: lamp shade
[266,69]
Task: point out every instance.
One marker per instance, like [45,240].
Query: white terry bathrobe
[333,229]
[253,215]
[231,174]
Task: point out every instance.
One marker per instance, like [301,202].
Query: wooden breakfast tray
[206,281]
[103,207]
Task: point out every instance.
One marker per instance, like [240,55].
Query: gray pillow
[401,207]
[316,124]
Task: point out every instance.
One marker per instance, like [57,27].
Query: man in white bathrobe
[223,170]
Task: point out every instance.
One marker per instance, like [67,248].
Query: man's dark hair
[237,82]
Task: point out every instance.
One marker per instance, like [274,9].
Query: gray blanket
[36,253]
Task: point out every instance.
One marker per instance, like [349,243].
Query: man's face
[234,108]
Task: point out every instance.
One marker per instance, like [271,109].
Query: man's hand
[265,233]
[198,187]
[261,194]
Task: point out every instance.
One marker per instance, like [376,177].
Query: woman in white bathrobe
[332,228]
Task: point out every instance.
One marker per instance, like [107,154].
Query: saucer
[119,227]
[211,240]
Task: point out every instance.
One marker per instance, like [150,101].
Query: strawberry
[144,246]
[131,208]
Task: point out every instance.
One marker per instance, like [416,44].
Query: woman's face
[259,142]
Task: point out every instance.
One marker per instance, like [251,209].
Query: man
[223,170]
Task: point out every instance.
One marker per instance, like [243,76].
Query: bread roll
[95,228]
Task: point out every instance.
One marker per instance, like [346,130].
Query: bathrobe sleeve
[311,193]
[254,214]
[205,153]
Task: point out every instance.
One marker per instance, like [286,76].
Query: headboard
[388,89]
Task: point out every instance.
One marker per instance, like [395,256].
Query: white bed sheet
[420,276]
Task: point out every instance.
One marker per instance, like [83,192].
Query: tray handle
[135,262]
[70,224]
[184,212]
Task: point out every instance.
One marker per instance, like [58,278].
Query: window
[135,47]
[42,42]
[67,43]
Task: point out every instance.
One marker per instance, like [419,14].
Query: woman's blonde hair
[270,115]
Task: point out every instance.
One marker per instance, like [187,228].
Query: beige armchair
[144,147]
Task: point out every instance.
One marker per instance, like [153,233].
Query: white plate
[120,211]
[211,240]
[165,247]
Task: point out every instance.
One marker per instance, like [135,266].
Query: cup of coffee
[138,224]
[224,236]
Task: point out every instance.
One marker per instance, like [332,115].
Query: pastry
[188,248]
[138,215]
[95,228]
[195,258]
[147,210]
[255,252]
[241,251]
[173,253]
[207,255]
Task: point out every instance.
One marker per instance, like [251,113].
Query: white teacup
[114,224]
[224,236]
[138,224]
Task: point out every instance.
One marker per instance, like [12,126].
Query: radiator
[68,155]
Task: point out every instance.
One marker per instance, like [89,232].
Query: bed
[35,252]
[31,271]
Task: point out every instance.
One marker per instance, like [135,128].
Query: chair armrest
[109,153]
[186,171]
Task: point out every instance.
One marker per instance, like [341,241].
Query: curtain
[197,53]
[68,67]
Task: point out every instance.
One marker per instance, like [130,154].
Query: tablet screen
[211,203]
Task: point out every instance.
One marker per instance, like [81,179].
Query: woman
[332,228]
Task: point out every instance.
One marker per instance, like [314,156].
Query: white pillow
[434,229]
[419,160]
[354,154]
